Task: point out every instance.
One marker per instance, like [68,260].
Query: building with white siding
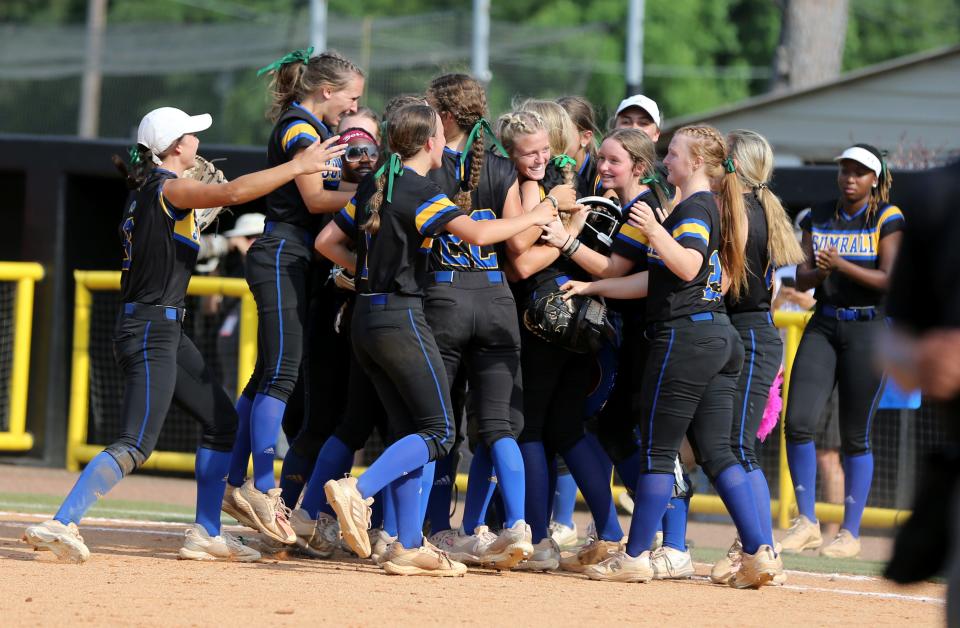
[909,106]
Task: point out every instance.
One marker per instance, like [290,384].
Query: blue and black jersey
[496,177]
[346,219]
[588,181]
[553,276]
[295,130]
[626,244]
[695,224]
[396,259]
[758,290]
[857,238]
[160,245]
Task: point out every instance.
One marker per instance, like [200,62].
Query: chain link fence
[212,67]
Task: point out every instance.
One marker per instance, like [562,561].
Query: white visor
[862,156]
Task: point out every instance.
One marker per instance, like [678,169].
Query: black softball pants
[473,316]
[160,365]
[278,268]
[688,388]
[395,346]
[763,354]
[617,423]
[364,412]
[324,377]
[555,386]
[840,353]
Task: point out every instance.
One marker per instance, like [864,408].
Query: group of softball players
[402,281]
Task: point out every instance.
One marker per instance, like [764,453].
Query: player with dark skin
[855,181]
[851,247]
[398,210]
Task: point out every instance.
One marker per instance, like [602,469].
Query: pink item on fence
[771,413]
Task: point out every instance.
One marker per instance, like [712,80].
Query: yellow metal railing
[26,274]
[78,449]
[784,509]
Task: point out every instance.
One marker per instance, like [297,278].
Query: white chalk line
[823,575]
[887,596]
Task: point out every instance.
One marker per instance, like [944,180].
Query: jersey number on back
[457,253]
[713,289]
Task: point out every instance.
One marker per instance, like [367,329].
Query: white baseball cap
[162,127]
[641,101]
[247,225]
[863,156]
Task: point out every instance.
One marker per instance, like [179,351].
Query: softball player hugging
[160,234]
[314,521]
[555,378]
[474,319]
[690,379]
[626,165]
[310,95]
[402,212]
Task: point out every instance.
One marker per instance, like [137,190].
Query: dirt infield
[134,577]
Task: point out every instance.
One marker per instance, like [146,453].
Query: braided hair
[510,126]
[708,144]
[462,97]
[560,129]
[408,129]
[295,81]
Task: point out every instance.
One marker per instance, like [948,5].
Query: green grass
[153,511]
[107,508]
[803,562]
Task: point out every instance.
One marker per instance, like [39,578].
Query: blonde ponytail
[754,159]
[708,144]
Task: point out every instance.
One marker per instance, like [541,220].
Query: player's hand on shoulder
[317,156]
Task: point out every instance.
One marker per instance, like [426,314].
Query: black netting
[900,440]
[180,432]
[8,291]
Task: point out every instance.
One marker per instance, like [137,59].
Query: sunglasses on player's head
[355,152]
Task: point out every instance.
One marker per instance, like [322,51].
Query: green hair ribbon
[653,179]
[481,124]
[561,161]
[297,56]
[134,153]
[729,165]
[394,168]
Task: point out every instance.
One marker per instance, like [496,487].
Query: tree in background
[697,55]
[811,43]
